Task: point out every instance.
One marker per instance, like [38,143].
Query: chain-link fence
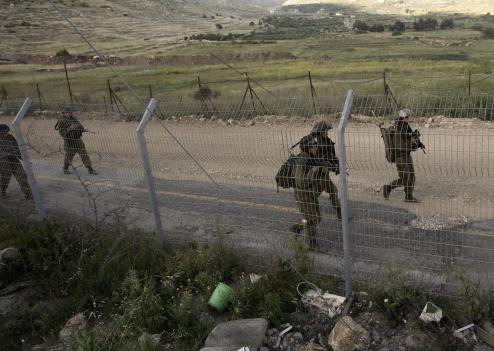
[214,166]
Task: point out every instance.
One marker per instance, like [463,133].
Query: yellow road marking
[112,184]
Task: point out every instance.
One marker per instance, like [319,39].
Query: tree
[379,28]
[360,26]
[399,26]
[447,23]
[425,24]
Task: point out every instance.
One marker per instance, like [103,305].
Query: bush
[447,23]
[378,28]
[219,26]
[360,26]
[251,23]
[488,32]
[398,26]
[62,53]
[425,24]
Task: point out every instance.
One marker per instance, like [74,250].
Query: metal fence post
[147,167]
[16,125]
[347,242]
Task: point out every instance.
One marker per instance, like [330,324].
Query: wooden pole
[150,92]
[312,92]
[469,83]
[110,93]
[39,96]
[68,83]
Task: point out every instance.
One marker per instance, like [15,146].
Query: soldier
[10,164]
[307,189]
[326,157]
[71,131]
[405,141]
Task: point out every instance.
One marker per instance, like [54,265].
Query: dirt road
[453,223]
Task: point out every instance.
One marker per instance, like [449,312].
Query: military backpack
[388,135]
[285,177]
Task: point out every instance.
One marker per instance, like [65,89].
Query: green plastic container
[221,297]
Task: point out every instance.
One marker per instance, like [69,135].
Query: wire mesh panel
[215,175]
[430,211]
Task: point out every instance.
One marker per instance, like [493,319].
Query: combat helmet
[306,141]
[404,113]
[321,126]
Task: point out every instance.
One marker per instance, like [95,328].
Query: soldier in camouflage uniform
[405,141]
[326,157]
[10,164]
[307,189]
[71,130]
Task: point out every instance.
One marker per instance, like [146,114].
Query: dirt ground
[222,181]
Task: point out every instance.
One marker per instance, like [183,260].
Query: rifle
[416,139]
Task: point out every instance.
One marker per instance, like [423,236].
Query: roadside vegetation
[126,285]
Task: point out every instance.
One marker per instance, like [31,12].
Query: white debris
[325,302]
[431,313]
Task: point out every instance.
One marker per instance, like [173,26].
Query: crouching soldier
[10,164]
[71,130]
[326,158]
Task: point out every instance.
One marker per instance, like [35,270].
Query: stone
[149,339]
[238,333]
[348,335]
[431,313]
[71,327]
[9,254]
[313,346]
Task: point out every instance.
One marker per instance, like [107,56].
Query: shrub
[219,26]
[488,32]
[360,26]
[425,24]
[63,53]
[447,23]
[378,28]
[398,26]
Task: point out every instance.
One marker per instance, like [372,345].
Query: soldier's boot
[386,191]
[338,212]
[296,228]
[411,198]
[92,171]
[313,244]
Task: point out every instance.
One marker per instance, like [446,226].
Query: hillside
[408,7]
[121,27]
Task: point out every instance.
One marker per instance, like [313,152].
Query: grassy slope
[336,60]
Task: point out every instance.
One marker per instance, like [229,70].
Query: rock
[348,335]
[9,254]
[238,333]
[292,339]
[148,340]
[313,346]
[230,121]
[72,326]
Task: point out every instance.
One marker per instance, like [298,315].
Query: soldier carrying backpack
[71,130]
[399,141]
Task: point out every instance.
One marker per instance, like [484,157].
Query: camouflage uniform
[326,157]
[404,144]
[307,192]
[10,164]
[71,130]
